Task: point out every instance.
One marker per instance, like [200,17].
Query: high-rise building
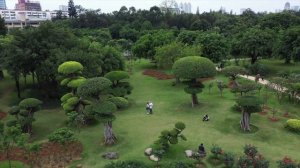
[28,5]
[63,7]
[287,6]
[2,4]
[295,8]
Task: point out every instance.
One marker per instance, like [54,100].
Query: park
[74,93]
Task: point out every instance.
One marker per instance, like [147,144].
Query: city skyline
[108,6]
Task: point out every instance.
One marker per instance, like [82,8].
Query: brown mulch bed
[273,119]
[286,115]
[157,74]
[2,115]
[51,155]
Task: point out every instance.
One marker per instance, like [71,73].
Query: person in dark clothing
[205,118]
[201,149]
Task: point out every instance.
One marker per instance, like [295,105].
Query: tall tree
[3,29]
[191,68]
[72,10]
[102,109]
[256,43]
[248,105]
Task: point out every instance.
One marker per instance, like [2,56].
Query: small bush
[127,164]
[228,159]
[287,162]
[216,151]
[62,136]
[293,125]
[258,69]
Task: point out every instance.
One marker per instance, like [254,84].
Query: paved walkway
[266,82]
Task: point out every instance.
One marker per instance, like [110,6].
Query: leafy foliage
[70,67]
[161,146]
[127,164]
[94,86]
[193,67]
[62,136]
[293,125]
[120,102]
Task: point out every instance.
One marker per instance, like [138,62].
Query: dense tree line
[221,34]
[99,41]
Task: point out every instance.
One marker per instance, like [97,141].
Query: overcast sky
[204,5]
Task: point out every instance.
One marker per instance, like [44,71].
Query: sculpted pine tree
[104,106]
[192,68]
[248,105]
[24,114]
[72,103]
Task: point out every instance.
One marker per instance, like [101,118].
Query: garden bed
[273,119]
[157,74]
[2,115]
[50,155]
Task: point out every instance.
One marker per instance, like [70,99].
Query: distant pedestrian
[150,107]
[257,78]
[205,118]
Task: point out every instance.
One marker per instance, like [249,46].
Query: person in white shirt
[151,108]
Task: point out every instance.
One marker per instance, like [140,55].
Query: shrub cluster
[293,125]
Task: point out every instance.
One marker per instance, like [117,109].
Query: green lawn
[137,131]
[277,66]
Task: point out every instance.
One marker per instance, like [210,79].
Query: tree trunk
[1,74]
[245,121]
[177,80]
[194,99]
[33,79]
[17,82]
[109,136]
[253,59]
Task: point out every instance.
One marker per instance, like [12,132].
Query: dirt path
[266,82]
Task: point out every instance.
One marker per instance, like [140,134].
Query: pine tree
[72,10]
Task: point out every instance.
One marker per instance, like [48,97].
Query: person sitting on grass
[205,118]
[201,149]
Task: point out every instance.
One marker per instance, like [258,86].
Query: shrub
[62,136]
[257,68]
[228,159]
[293,125]
[120,102]
[216,151]
[127,164]
[250,151]
[287,162]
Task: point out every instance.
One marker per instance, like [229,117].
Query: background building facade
[2,4]
[28,5]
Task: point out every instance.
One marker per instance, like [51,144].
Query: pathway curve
[266,82]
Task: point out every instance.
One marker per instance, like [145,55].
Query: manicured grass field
[277,66]
[136,130]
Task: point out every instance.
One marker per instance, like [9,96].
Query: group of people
[149,107]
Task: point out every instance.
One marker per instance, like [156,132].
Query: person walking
[148,108]
[151,108]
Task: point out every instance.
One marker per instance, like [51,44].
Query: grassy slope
[279,66]
[136,130]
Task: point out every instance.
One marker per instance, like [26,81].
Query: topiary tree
[71,102]
[248,105]
[24,114]
[104,105]
[287,162]
[233,72]
[161,146]
[120,87]
[191,68]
